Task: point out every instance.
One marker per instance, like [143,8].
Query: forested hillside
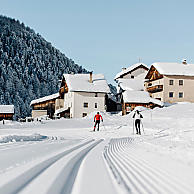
[30,67]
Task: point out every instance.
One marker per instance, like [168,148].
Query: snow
[131,84]
[6,108]
[136,96]
[133,92]
[129,69]
[18,138]
[139,97]
[174,68]
[43,99]
[113,160]
[80,83]
[60,110]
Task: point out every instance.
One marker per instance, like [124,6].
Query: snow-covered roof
[43,99]
[174,68]
[139,97]
[60,110]
[80,83]
[131,84]
[129,69]
[6,108]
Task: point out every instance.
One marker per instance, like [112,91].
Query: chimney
[184,61]
[90,77]
[124,68]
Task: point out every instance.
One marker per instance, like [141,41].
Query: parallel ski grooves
[137,175]
[24,179]
[65,181]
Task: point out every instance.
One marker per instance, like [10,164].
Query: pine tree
[30,67]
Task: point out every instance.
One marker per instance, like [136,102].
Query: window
[180,94]
[171,82]
[180,82]
[96,94]
[84,114]
[96,105]
[85,105]
[171,94]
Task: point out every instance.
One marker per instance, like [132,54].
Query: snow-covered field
[65,156]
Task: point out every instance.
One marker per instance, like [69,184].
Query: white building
[130,88]
[138,70]
[82,94]
[131,78]
[171,82]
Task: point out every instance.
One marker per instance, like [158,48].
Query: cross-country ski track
[139,175]
[109,166]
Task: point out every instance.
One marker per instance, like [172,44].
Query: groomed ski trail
[54,175]
[138,175]
[93,176]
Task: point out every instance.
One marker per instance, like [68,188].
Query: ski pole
[103,126]
[142,127]
[133,126]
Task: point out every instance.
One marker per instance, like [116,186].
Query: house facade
[171,82]
[83,94]
[138,70]
[6,112]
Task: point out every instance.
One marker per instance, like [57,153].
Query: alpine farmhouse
[44,106]
[83,94]
[171,82]
[130,89]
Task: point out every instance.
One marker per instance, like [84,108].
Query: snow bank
[21,138]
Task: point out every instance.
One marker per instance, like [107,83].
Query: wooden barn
[6,112]
[44,106]
[131,99]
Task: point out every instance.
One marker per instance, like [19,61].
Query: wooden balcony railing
[154,89]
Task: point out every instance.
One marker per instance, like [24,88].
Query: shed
[6,112]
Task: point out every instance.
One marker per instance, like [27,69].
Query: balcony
[154,89]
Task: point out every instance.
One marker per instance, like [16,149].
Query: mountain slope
[30,67]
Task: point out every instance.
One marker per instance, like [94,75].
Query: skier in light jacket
[137,116]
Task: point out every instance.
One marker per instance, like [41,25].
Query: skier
[97,118]
[137,116]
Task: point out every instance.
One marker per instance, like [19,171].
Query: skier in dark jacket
[137,116]
[97,118]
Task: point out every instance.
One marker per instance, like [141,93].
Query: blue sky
[106,35]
